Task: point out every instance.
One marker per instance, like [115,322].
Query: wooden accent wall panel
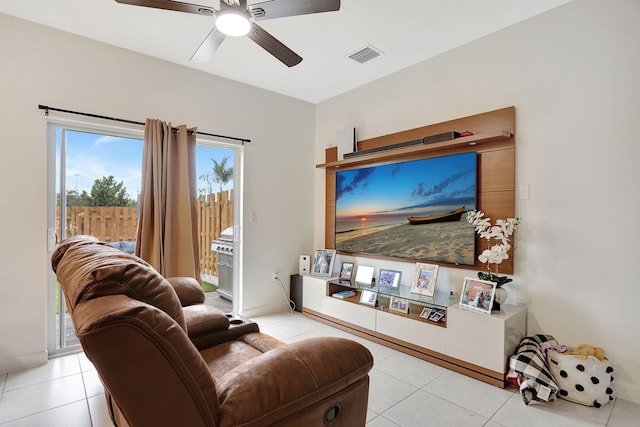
[496,166]
[331,154]
[330,210]
[503,119]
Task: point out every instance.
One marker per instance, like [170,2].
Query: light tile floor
[404,391]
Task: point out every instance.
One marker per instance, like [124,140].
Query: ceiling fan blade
[172,5]
[208,46]
[273,46]
[242,4]
[279,8]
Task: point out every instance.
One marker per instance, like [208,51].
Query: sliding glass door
[217,167]
[94,184]
[94,179]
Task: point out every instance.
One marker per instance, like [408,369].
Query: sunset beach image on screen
[412,210]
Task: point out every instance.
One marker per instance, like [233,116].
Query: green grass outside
[57,297]
[208,287]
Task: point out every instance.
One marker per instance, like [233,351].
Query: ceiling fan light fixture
[233,23]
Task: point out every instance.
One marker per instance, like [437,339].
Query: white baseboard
[23,362]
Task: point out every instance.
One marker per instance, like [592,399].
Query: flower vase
[499,298]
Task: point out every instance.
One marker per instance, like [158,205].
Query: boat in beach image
[454,215]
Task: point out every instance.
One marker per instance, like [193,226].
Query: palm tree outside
[221,173]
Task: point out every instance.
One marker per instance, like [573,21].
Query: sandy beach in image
[451,242]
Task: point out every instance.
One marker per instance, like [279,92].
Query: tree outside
[107,192]
[75,198]
[104,192]
[220,174]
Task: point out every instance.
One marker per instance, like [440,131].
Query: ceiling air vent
[365,54]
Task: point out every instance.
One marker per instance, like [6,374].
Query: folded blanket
[536,381]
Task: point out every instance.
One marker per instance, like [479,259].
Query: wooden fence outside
[106,223]
[215,214]
[118,224]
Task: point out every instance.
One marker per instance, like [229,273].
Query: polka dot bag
[581,379]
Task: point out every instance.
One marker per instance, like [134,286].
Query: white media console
[475,344]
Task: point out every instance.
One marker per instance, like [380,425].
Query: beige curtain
[167,222]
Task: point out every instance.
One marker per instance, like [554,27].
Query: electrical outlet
[275,276]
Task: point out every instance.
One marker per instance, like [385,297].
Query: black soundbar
[426,140]
[384,148]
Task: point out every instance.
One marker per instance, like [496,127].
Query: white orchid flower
[499,233]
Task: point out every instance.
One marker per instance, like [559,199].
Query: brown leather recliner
[132,326]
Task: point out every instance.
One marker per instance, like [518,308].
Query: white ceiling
[408,32]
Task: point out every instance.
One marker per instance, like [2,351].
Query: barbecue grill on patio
[223,246]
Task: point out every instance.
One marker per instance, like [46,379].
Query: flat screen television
[411,210]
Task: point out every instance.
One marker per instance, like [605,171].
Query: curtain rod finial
[45,108]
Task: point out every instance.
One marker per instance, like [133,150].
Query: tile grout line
[396,404]
[458,405]
[84,387]
[41,412]
[614,403]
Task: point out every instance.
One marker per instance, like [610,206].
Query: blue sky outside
[404,189]
[94,156]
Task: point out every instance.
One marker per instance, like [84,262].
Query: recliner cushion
[226,356]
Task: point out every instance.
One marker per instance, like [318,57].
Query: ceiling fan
[235,18]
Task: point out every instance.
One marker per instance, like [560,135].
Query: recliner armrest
[188,289]
[207,326]
[202,318]
[288,379]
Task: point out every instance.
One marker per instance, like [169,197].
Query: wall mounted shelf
[472,140]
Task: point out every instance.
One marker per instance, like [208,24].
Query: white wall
[45,66]
[572,75]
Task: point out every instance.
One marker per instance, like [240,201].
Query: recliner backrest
[91,269]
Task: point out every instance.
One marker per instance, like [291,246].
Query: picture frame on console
[436,315]
[368,297]
[425,313]
[364,276]
[424,279]
[399,305]
[345,272]
[323,262]
[478,295]
[389,278]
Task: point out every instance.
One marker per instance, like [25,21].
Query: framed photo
[477,295]
[345,272]
[424,279]
[323,262]
[368,297]
[436,315]
[425,313]
[400,305]
[364,275]
[389,278]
